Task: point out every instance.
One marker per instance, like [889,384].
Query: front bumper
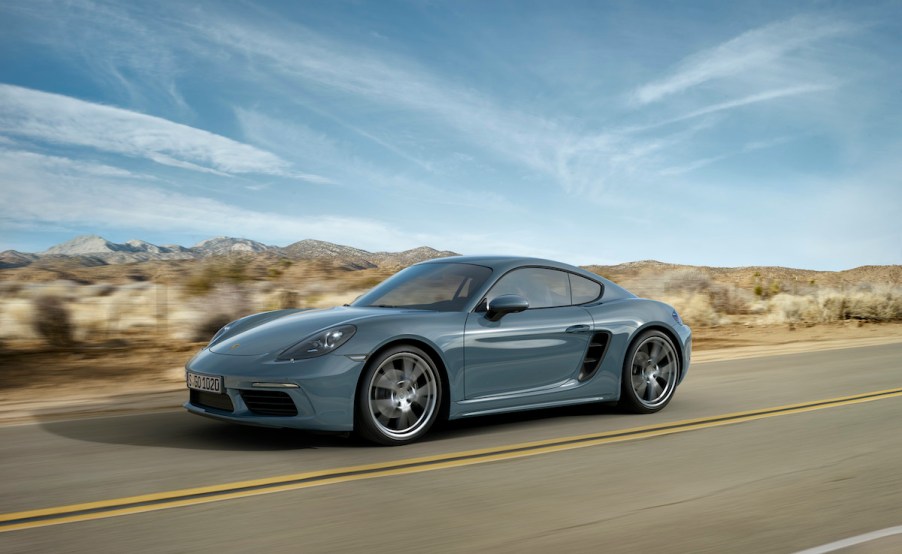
[322,390]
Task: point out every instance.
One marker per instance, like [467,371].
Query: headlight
[677,318]
[319,344]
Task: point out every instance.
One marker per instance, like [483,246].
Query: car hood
[274,332]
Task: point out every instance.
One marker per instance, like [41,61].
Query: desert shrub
[874,304]
[51,320]
[199,317]
[285,299]
[695,309]
[10,288]
[727,299]
[864,303]
[833,306]
[216,272]
[789,308]
[707,300]
[208,326]
[686,280]
[103,289]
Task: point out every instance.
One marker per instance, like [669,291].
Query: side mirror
[505,304]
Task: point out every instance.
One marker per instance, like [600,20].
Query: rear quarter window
[583,290]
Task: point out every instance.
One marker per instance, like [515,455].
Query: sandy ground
[40,385]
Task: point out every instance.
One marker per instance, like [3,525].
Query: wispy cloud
[750,53]
[702,162]
[43,190]
[312,147]
[57,119]
[133,60]
[757,98]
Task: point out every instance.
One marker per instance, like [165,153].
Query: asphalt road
[778,482]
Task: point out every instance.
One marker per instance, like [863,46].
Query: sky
[705,133]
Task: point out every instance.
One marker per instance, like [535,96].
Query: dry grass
[188,301]
[138,323]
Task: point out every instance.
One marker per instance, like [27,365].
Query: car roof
[503,264]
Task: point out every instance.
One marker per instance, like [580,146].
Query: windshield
[443,287]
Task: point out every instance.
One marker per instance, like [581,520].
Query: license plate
[206,383]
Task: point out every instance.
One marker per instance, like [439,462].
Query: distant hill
[646,272]
[224,246]
[94,250]
[93,254]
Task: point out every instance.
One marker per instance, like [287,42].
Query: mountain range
[93,250]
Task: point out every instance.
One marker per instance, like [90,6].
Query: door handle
[578,329]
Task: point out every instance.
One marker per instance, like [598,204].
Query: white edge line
[852,541]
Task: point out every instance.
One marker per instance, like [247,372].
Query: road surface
[718,470]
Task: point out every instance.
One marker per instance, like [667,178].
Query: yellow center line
[215,493]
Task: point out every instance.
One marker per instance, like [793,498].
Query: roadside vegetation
[186,302]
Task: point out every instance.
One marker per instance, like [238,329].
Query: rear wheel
[399,396]
[650,373]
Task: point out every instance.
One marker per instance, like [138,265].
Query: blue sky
[709,133]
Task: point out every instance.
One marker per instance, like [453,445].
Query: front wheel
[651,371]
[399,396]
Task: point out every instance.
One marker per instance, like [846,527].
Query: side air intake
[598,346]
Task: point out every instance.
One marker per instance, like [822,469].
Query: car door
[538,349]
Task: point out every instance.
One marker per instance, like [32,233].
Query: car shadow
[181,430]
[509,421]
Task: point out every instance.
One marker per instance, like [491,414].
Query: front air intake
[269,402]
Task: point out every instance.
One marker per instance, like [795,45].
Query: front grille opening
[598,346]
[269,402]
[211,400]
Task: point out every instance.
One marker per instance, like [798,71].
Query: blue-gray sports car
[447,338]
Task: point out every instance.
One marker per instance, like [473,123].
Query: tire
[651,371]
[399,397]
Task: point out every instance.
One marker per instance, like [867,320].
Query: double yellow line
[228,491]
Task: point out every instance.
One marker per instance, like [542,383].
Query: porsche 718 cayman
[447,338]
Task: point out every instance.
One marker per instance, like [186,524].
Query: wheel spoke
[416,374]
[655,354]
[407,367]
[385,407]
[666,371]
[652,390]
[422,396]
[383,382]
[640,387]
[408,419]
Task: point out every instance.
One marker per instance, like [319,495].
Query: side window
[583,289]
[543,288]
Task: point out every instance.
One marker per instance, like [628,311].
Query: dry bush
[789,308]
[727,299]
[695,309]
[697,298]
[873,304]
[216,272]
[210,325]
[16,319]
[686,280]
[878,304]
[197,318]
[284,299]
[51,320]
